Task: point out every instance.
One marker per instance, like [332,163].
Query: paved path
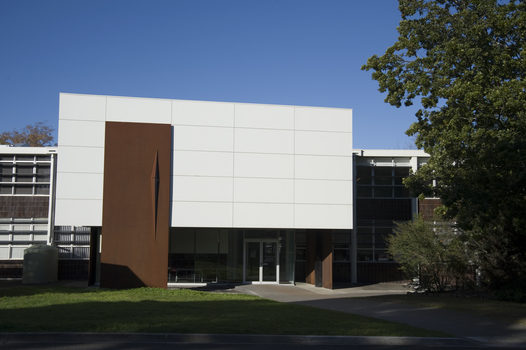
[484,330]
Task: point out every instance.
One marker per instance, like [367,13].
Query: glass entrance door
[261,261]
[269,261]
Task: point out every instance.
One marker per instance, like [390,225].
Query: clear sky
[291,52]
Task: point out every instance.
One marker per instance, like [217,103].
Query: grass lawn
[66,309]
[512,313]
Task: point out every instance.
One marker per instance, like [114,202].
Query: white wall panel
[201,163]
[322,192]
[209,189]
[202,113]
[84,212]
[81,133]
[264,116]
[263,215]
[323,167]
[201,214]
[200,138]
[263,190]
[323,119]
[323,143]
[80,160]
[79,186]
[264,141]
[82,107]
[138,110]
[323,216]
[264,165]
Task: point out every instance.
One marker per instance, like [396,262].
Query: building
[173,191]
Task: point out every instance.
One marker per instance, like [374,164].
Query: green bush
[431,251]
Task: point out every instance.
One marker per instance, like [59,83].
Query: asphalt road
[176,346]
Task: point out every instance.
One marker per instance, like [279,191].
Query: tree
[466,62]
[431,251]
[36,135]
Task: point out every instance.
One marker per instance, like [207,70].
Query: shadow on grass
[508,312]
[29,290]
[218,314]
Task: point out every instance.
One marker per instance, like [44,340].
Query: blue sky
[292,52]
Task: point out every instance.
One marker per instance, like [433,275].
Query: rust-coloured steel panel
[310,263]
[136,205]
[327,259]
[319,249]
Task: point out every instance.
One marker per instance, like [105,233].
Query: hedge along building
[177,191]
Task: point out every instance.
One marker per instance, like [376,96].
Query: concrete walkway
[485,331]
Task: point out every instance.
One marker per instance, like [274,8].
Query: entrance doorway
[261,261]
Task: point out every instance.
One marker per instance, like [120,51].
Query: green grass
[511,313]
[63,309]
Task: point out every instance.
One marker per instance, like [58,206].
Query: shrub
[431,251]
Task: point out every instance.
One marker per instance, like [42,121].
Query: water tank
[40,264]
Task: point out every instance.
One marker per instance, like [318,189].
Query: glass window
[44,178]
[385,191]
[401,171]
[23,169]
[6,169]
[42,189]
[364,181]
[365,255]
[342,252]
[383,181]
[364,191]
[24,178]
[25,158]
[301,252]
[21,189]
[43,169]
[382,255]
[363,171]
[341,237]
[383,172]
[401,192]
[399,181]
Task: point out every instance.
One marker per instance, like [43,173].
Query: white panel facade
[323,119]
[138,110]
[78,212]
[79,186]
[201,138]
[234,164]
[264,141]
[202,113]
[323,216]
[322,192]
[92,134]
[323,167]
[263,215]
[323,143]
[80,160]
[202,189]
[259,190]
[278,166]
[201,214]
[200,163]
[264,116]
[82,107]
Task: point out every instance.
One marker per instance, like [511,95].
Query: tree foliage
[35,135]
[465,61]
